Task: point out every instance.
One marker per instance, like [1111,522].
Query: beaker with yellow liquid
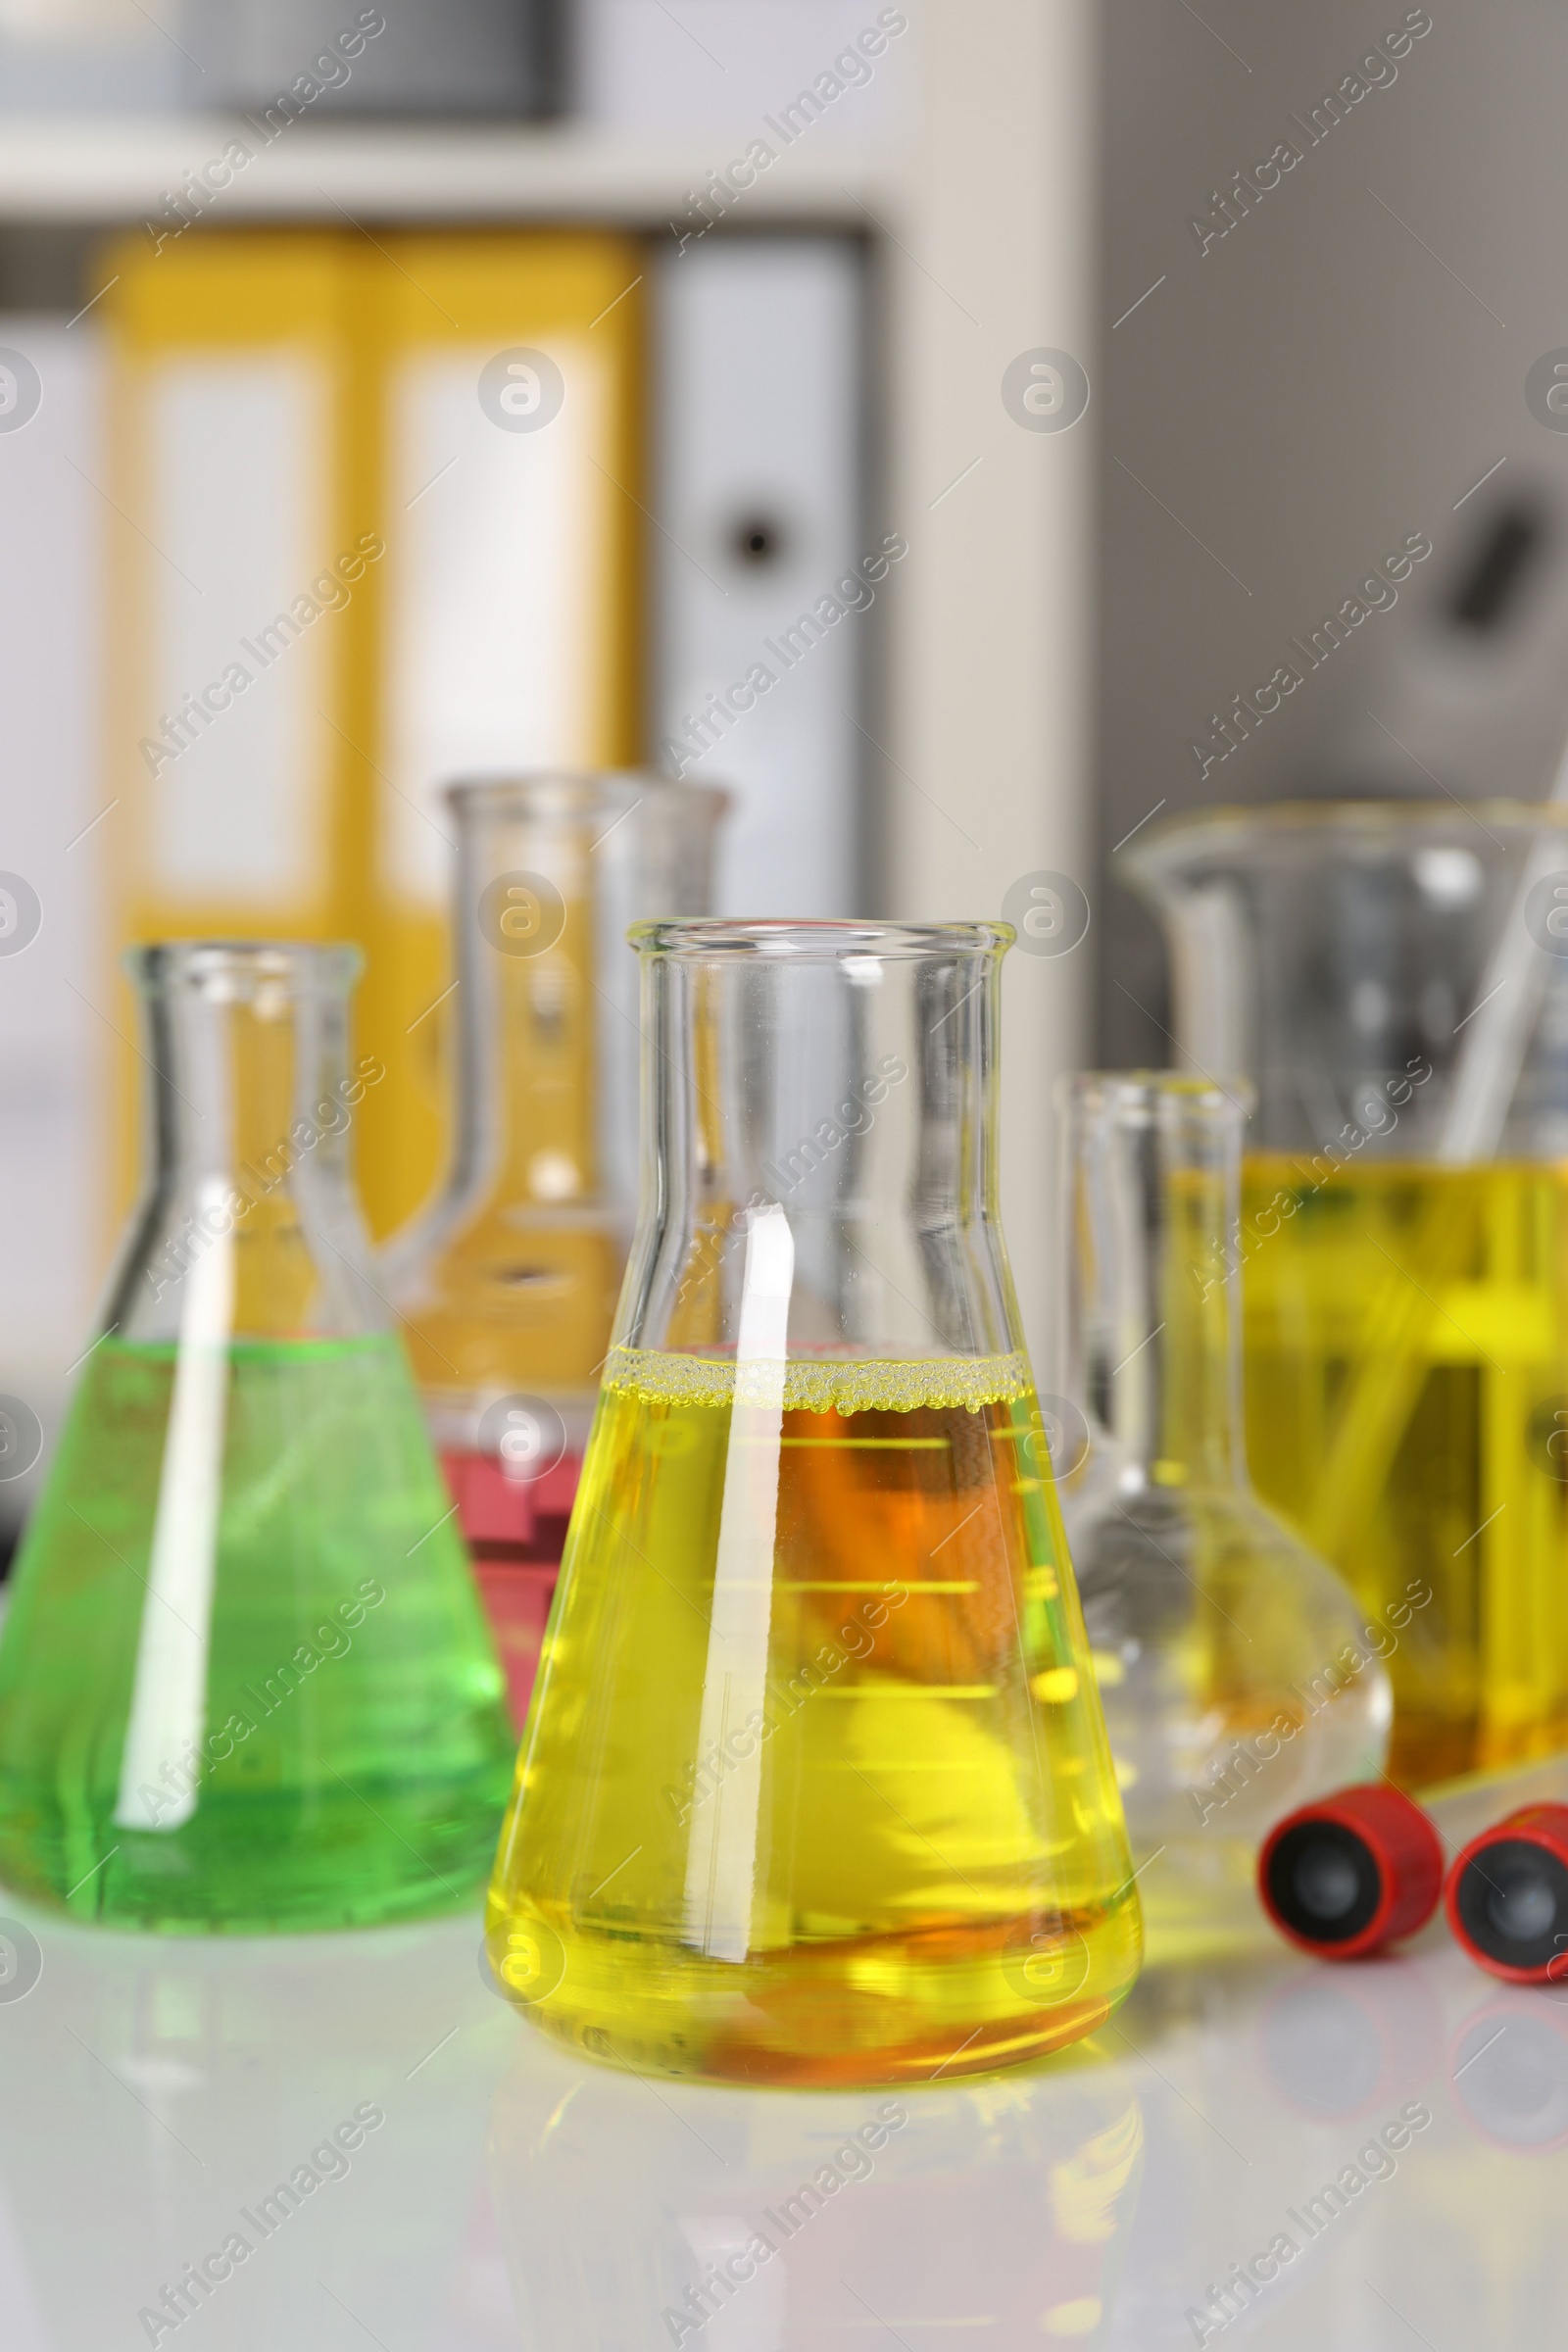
[506,1283]
[1407,1297]
[815,1786]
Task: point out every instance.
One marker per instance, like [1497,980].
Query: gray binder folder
[766,577]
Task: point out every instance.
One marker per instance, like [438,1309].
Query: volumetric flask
[1393,978]
[815,1786]
[245,1679]
[1238,1677]
[507,1282]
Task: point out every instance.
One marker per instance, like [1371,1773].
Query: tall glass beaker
[815,1786]
[507,1282]
[1237,1677]
[245,1680]
[1390,977]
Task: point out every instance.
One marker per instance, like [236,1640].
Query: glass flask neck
[248,1224]
[551,872]
[522,1128]
[820,1114]
[1154,1333]
[506,1281]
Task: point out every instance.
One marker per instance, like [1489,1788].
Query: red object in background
[515,1528]
[1351,1872]
[1507,1897]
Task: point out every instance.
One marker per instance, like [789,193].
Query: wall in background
[56,1049]
[1287,395]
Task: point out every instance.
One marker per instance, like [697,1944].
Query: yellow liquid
[885,1839]
[1406,1353]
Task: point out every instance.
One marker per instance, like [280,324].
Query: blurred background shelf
[120,166]
[941,737]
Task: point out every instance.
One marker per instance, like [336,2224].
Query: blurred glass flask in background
[1237,1677]
[815,1786]
[1390,978]
[245,1679]
[507,1281]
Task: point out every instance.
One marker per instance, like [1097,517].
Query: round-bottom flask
[1238,1677]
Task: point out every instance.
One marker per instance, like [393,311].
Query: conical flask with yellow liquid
[815,1786]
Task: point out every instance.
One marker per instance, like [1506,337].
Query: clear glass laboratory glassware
[1392,979]
[815,1786]
[1238,1678]
[506,1281]
[245,1677]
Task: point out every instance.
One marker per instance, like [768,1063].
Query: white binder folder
[53,803]
[766,577]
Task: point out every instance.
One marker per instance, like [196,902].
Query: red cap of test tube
[1507,1897]
[1351,1872]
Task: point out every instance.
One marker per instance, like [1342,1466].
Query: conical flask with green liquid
[245,1681]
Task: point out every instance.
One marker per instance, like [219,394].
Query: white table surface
[150,2089]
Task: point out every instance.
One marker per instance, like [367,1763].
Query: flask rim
[782,938]
[300,967]
[508,792]
[1132,1091]
[1369,825]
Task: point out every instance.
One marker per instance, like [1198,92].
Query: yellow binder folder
[377,506]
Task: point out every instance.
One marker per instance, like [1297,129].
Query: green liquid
[332,1759]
